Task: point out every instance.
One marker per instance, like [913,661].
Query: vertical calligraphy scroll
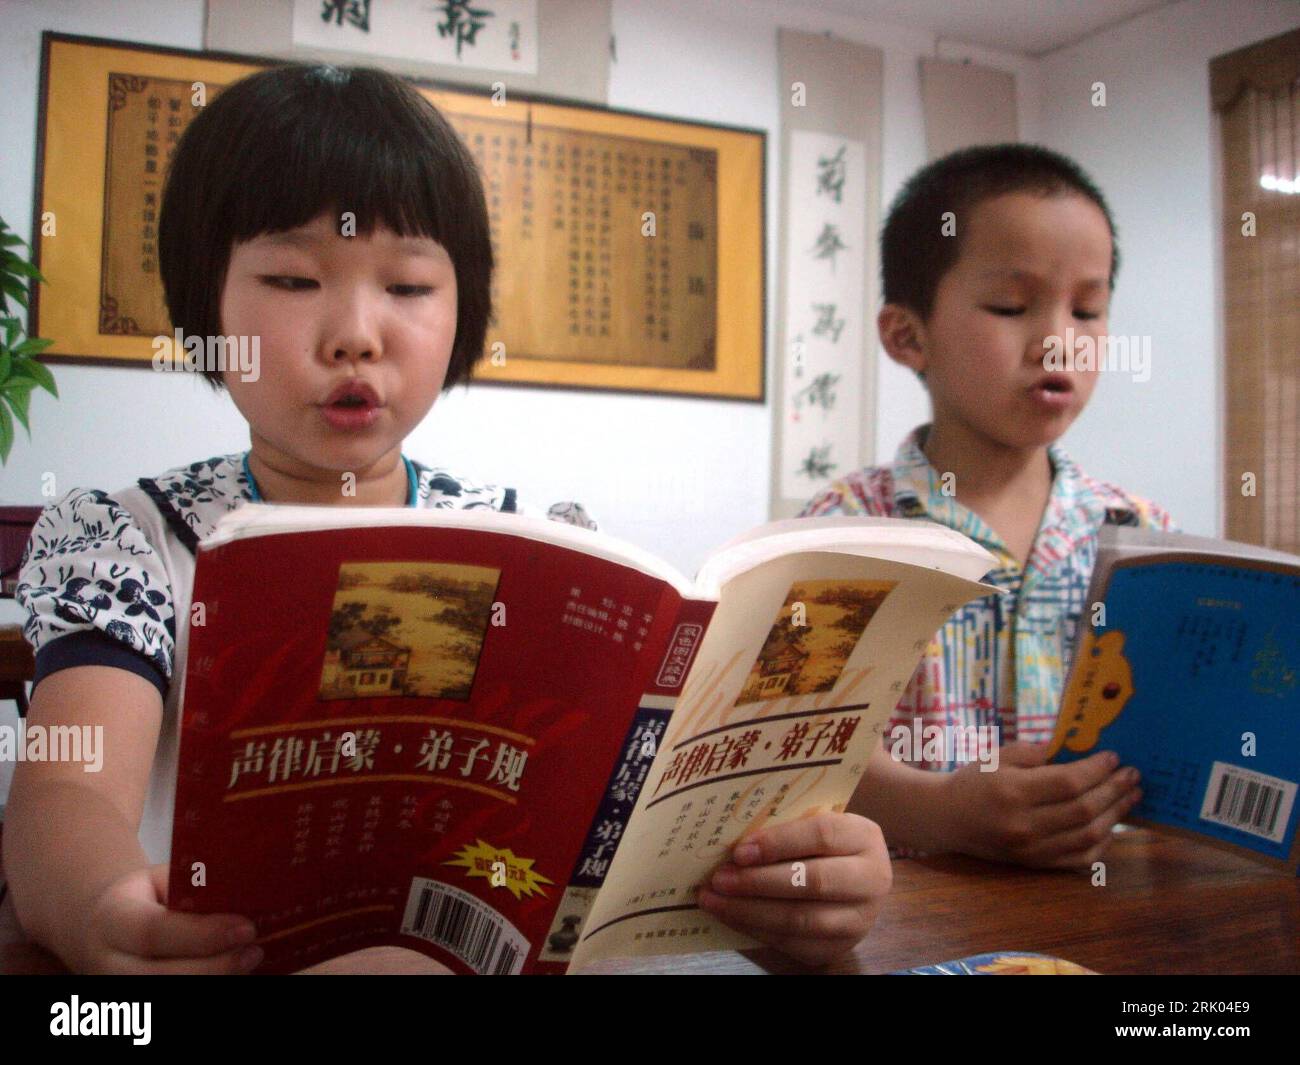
[830,191]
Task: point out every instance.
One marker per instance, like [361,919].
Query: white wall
[1151,150]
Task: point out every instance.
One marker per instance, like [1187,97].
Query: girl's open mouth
[353,404]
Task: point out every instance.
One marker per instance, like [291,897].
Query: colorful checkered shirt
[1000,660]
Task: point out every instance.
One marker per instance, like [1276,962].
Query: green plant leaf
[18,398]
[18,383]
[20,373]
[20,266]
[38,372]
[6,432]
[31,346]
[15,288]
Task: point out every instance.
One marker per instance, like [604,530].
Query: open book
[1189,668]
[513,744]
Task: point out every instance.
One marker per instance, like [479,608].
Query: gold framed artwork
[629,247]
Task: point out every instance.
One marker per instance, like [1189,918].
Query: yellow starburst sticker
[501,867]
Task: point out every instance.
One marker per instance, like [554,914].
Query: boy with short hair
[973,310]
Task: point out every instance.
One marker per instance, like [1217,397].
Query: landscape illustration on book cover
[407,629]
[819,625]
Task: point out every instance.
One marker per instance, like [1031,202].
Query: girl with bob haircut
[334,215]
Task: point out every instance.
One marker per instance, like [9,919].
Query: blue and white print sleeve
[95,591]
[569,513]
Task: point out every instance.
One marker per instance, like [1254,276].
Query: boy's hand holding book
[1187,669]
[1031,813]
[811,888]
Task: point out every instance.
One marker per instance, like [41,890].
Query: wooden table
[1169,906]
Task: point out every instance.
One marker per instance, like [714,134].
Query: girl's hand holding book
[811,888]
[131,931]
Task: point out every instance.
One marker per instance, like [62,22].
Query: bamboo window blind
[1256,98]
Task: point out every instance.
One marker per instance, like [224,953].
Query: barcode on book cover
[469,928]
[1253,802]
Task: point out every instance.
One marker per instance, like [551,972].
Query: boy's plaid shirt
[1000,660]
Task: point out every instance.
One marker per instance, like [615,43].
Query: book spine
[671,667]
[671,660]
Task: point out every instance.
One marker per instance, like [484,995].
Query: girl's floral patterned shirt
[1000,660]
[96,583]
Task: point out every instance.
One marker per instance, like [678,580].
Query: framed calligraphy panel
[629,247]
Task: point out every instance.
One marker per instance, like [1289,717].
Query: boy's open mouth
[1052,393]
[1054,384]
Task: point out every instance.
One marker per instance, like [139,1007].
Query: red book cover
[421,736]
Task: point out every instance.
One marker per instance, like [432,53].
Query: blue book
[1188,667]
